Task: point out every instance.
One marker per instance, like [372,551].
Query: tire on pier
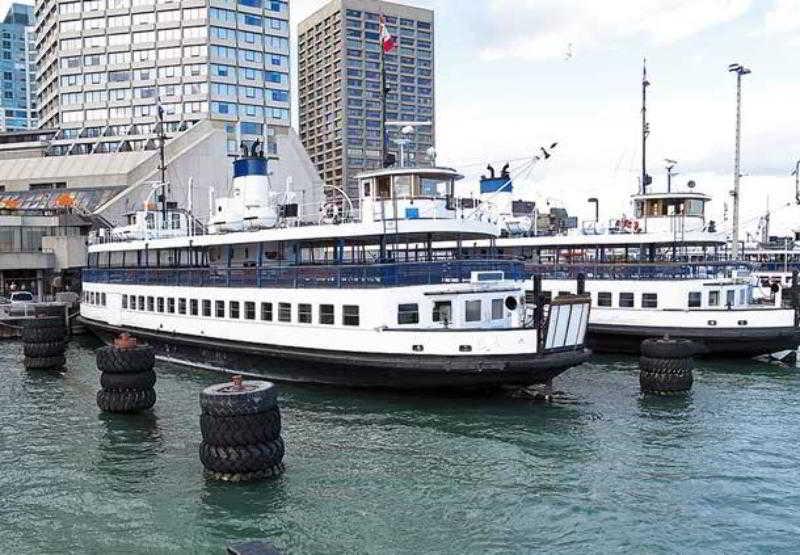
[249,429]
[664,383]
[242,459]
[43,335]
[666,365]
[46,349]
[45,323]
[271,472]
[668,348]
[128,400]
[125,361]
[45,363]
[229,400]
[120,382]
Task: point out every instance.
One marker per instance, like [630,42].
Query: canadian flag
[387,40]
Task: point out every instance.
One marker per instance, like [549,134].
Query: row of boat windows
[247,310]
[443,312]
[650,300]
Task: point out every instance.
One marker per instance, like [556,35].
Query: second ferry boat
[359,301]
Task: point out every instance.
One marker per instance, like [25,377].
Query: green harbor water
[367,472]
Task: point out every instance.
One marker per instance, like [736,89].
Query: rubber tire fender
[125,361]
[241,458]
[47,349]
[43,335]
[45,363]
[666,383]
[44,323]
[665,365]
[246,429]
[668,348]
[128,400]
[119,382]
[226,400]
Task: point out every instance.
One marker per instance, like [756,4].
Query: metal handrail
[330,276]
[640,271]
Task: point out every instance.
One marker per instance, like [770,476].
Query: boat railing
[657,271]
[330,276]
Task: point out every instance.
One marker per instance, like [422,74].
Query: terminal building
[339,86]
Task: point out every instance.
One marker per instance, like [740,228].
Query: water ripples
[383,472]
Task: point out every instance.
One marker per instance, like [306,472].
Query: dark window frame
[407,314]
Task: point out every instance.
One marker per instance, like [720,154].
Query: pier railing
[663,271]
[329,276]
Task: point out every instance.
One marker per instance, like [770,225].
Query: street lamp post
[739,70]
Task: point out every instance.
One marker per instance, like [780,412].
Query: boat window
[249,311]
[326,315]
[604,299]
[402,186]
[564,293]
[649,300]
[171,305]
[434,188]
[695,299]
[124,302]
[160,304]
[304,313]
[284,312]
[626,300]
[384,187]
[102,297]
[694,207]
[472,310]
[442,312]
[350,315]
[176,221]
[266,312]
[366,189]
[233,310]
[151,221]
[742,297]
[141,303]
[181,306]
[151,304]
[193,307]
[730,297]
[207,308]
[497,309]
[713,298]
[220,309]
[408,314]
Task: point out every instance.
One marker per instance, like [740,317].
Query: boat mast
[163,167]
[645,179]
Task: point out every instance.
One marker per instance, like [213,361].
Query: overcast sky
[512,75]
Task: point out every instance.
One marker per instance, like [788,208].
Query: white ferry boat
[359,302]
[661,272]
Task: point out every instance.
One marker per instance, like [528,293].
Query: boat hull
[351,369]
[738,343]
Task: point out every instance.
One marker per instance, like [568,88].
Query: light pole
[739,70]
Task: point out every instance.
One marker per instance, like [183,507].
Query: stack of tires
[127,377]
[241,426]
[44,342]
[665,366]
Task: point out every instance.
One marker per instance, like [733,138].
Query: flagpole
[161,140]
[645,130]
[384,95]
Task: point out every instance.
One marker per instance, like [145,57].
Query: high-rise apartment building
[105,65]
[17,69]
[339,86]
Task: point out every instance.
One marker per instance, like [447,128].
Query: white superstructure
[357,302]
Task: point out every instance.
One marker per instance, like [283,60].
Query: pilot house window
[350,315]
[695,299]
[442,312]
[604,299]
